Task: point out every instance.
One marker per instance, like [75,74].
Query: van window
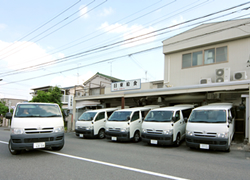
[120,116]
[109,113]
[208,116]
[100,116]
[159,116]
[177,116]
[37,110]
[144,113]
[135,116]
[87,116]
[186,113]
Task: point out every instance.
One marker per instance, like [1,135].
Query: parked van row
[206,127]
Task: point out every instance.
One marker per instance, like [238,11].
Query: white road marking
[4,142]
[112,165]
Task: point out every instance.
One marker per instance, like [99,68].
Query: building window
[208,56]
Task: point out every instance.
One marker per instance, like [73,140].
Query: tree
[52,96]
[3,109]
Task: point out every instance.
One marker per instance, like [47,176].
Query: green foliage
[3,109]
[52,96]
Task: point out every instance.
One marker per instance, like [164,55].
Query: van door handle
[139,121]
[104,120]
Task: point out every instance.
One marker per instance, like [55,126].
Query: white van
[92,123]
[211,127]
[167,125]
[125,124]
[36,125]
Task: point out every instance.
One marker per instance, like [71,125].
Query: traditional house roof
[112,79]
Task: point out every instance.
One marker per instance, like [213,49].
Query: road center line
[116,165]
[112,165]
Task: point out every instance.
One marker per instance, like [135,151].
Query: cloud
[106,12]
[130,32]
[83,11]
[72,80]
[21,54]
[3,26]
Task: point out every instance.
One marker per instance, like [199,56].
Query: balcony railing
[65,98]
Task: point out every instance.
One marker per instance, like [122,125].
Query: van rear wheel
[13,152]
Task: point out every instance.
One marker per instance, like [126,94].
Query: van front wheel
[136,137]
[101,134]
[178,140]
[13,152]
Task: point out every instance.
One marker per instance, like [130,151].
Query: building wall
[238,54]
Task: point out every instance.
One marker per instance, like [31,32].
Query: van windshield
[159,116]
[87,116]
[120,116]
[37,110]
[208,116]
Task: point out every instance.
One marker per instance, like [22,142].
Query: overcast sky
[65,42]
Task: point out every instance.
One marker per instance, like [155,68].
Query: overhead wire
[112,28]
[134,39]
[36,29]
[118,57]
[57,28]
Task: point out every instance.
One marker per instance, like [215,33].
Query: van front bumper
[86,133]
[26,141]
[162,139]
[120,136]
[213,142]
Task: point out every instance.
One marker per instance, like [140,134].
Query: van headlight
[189,133]
[144,130]
[88,128]
[168,131]
[17,131]
[124,129]
[222,135]
[59,129]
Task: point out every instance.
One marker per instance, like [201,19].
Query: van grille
[151,131]
[204,134]
[38,131]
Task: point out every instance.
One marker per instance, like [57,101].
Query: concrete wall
[238,54]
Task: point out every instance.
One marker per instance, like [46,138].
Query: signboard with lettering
[126,85]
[70,103]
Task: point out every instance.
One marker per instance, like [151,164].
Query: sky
[64,43]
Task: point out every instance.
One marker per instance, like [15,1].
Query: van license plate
[114,138]
[153,141]
[204,146]
[39,145]
[81,135]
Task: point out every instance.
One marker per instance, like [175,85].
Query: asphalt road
[104,159]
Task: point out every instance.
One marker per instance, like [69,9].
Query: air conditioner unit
[205,81]
[222,75]
[240,75]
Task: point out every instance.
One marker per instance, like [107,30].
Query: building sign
[126,85]
[70,103]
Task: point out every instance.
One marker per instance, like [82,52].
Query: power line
[130,40]
[43,24]
[57,28]
[109,59]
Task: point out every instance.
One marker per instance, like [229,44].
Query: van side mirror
[128,118]
[185,119]
[173,119]
[8,115]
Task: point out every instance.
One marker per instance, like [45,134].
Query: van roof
[148,107]
[36,103]
[175,108]
[215,106]
[101,110]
